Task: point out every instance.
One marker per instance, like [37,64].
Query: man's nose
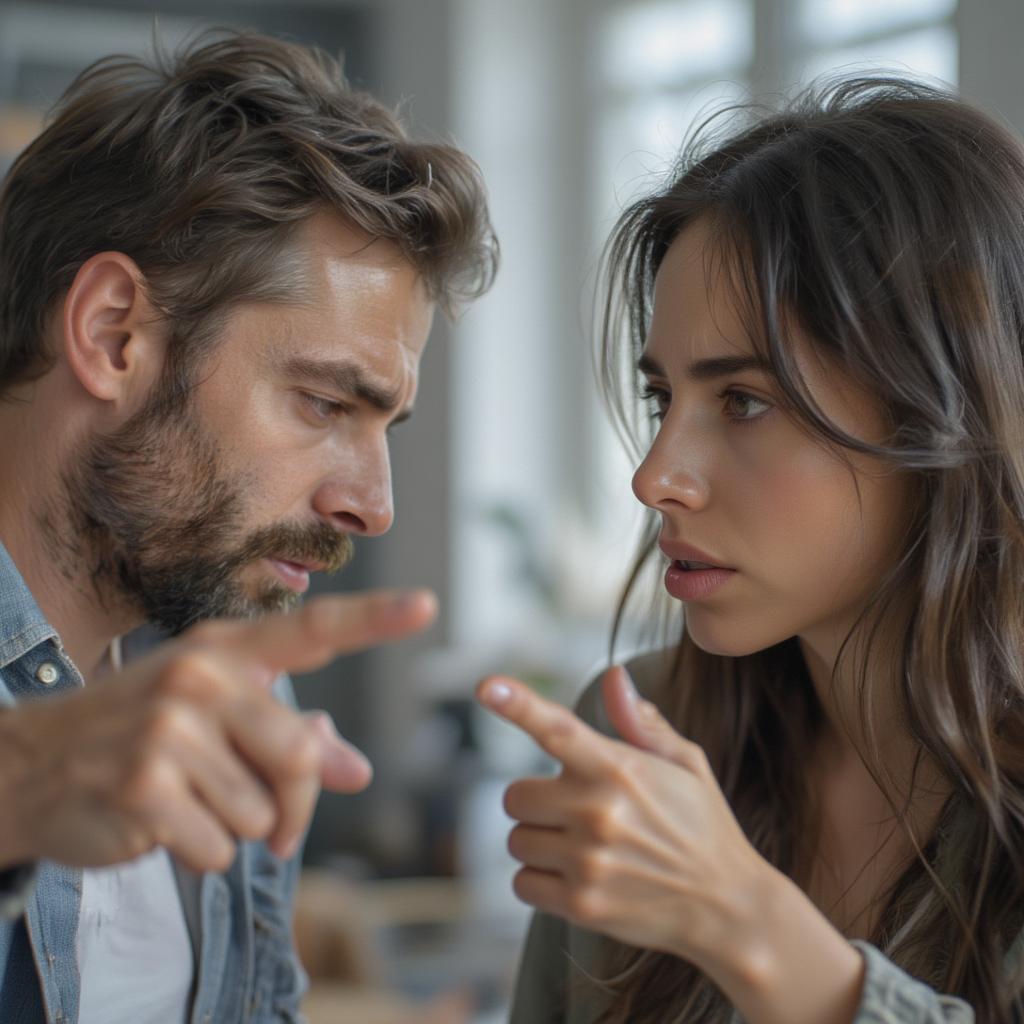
[672,476]
[359,501]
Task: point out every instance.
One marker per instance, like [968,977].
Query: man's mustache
[316,544]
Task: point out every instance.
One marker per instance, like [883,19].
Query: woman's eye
[657,397]
[321,407]
[742,406]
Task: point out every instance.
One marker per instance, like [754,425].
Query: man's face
[225,506]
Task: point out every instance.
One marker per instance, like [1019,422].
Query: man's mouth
[294,575]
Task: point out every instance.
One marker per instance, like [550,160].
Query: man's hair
[201,165]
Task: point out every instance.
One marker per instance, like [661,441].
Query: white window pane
[928,54]
[639,141]
[835,21]
[647,45]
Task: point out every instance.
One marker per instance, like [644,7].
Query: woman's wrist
[780,960]
[733,943]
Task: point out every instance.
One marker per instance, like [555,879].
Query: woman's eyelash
[731,397]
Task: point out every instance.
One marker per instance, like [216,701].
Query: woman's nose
[671,476]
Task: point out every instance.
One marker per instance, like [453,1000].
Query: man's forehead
[332,239]
[362,282]
[373,347]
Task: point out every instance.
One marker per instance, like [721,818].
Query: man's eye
[321,407]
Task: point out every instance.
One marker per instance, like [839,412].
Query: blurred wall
[991,36]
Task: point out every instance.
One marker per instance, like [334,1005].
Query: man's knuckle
[222,855]
[146,788]
[136,842]
[257,821]
[303,755]
[190,674]
[171,725]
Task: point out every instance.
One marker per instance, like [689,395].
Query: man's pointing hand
[187,748]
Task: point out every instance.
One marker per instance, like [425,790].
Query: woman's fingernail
[497,693]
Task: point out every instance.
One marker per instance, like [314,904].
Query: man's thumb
[343,768]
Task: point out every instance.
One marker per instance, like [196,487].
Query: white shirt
[134,952]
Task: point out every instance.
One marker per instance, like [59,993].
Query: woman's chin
[729,639]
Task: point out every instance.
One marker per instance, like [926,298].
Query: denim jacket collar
[22,624]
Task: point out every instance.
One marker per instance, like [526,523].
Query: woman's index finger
[555,729]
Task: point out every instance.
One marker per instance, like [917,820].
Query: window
[909,36]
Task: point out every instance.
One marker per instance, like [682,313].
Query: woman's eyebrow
[707,369]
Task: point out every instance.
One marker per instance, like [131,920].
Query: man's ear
[112,338]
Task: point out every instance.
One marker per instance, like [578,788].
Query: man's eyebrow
[707,369]
[347,379]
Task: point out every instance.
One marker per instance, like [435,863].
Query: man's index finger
[330,625]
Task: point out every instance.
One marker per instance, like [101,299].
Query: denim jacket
[239,921]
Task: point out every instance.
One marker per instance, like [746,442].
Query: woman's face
[799,537]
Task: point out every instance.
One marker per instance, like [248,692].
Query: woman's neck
[856,686]
[878,796]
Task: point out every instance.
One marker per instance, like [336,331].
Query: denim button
[47,673]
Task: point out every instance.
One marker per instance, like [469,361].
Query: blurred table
[401,951]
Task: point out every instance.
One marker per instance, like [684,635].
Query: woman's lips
[695,584]
[294,576]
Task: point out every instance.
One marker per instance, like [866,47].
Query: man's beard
[159,523]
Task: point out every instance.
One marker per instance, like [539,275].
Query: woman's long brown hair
[886,218]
